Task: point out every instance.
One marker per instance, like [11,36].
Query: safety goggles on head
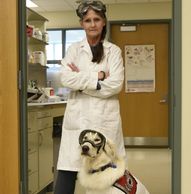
[95,5]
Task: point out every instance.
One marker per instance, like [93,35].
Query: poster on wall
[139,68]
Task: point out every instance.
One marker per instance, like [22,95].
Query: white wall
[137,11]
[186,96]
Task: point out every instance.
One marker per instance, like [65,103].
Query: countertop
[46,103]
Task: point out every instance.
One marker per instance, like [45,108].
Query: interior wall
[137,11]
[186,96]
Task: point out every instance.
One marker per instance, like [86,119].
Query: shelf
[33,16]
[33,40]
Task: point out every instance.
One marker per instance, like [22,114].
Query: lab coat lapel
[106,46]
[84,46]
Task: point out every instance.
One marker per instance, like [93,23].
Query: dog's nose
[85,149]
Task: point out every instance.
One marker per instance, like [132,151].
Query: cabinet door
[45,157]
[33,183]
[32,142]
[32,121]
[32,162]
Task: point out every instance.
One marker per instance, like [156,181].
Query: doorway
[145,114]
[176,135]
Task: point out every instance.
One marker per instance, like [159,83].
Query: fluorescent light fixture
[31,4]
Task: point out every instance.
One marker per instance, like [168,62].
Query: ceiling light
[31,4]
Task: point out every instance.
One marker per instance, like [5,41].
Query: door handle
[163,100]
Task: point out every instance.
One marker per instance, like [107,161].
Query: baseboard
[146,141]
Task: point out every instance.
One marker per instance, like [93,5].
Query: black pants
[65,183]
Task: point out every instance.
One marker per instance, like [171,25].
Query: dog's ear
[110,149]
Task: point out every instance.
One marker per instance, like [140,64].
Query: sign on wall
[139,68]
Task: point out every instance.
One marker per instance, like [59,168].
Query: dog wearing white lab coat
[103,171]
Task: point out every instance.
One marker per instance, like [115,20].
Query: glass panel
[73,36]
[54,49]
[54,52]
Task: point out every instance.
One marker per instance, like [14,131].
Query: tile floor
[152,166]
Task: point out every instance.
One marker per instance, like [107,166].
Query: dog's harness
[110,165]
[126,183]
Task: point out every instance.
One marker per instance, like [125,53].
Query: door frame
[154,141]
[177,80]
[176,95]
[23,97]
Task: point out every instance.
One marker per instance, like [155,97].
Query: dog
[103,171]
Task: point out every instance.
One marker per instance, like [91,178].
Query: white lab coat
[88,108]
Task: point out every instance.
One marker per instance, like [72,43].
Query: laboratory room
[134,82]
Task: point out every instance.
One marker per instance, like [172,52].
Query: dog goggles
[83,140]
[95,5]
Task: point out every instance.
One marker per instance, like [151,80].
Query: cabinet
[37,40]
[45,146]
[45,157]
[32,154]
[40,149]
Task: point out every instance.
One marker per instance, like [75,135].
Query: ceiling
[67,5]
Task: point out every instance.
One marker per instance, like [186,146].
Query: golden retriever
[103,171]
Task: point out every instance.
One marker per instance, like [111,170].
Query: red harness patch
[126,183]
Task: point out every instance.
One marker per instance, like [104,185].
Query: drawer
[32,162]
[43,123]
[32,142]
[58,111]
[32,121]
[42,114]
[33,183]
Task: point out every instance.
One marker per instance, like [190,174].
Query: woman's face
[93,24]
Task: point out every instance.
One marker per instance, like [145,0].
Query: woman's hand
[73,67]
[102,75]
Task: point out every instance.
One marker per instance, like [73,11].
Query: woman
[93,70]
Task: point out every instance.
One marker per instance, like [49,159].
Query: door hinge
[19,80]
